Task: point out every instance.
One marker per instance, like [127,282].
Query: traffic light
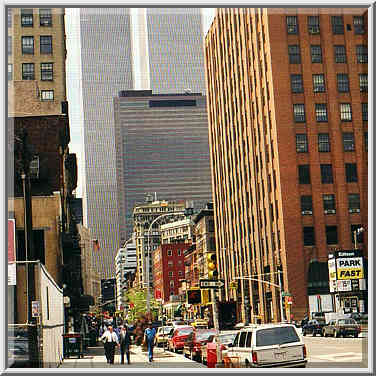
[194,296]
[212,266]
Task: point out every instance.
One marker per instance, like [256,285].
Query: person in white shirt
[110,340]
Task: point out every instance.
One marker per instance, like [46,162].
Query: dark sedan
[313,327]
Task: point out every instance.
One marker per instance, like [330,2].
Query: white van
[268,345]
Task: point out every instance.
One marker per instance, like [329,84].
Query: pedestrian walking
[125,343]
[149,336]
[110,340]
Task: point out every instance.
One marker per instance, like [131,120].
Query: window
[45,17]
[47,95]
[9,45]
[365,111]
[309,236]
[171,284]
[301,143]
[343,82]
[242,339]
[299,113]
[318,83]
[362,54]
[324,143]
[340,54]
[313,24]
[351,173]
[169,252]
[316,54]
[366,141]
[326,174]
[292,24]
[348,141]
[46,44]
[359,25]
[304,175]
[354,202]
[10,11]
[331,235]
[46,72]
[363,82]
[345,109]
[28,45]
[321,112]
[359,236]
[297,83]
[306,205]
[180,273]
[170,264]
[329,203]
[294,54]
[337,25]
[170,274]
[28,72]
[10,72]
[27,17]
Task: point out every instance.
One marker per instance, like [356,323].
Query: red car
[194,341]
[176,341]
[209,351]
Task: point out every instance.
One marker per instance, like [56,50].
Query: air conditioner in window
[330,211]
[354,210]
[291,29]
[307,212]
[314,30]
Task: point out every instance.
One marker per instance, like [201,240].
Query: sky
[73,81]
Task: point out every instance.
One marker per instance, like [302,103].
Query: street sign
[211,283]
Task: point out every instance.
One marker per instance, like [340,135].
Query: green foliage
[139,310]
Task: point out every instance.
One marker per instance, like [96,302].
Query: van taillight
[304,351]
[254,357]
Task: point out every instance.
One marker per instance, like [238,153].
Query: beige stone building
[36,61]
[177,232]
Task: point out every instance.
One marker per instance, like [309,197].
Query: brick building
[168,268]
[287,110]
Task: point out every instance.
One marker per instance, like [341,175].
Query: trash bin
[73,345]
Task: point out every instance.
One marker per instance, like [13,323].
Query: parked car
[268,345]
[176,340]
[209,350]
[342,327]
[194,341]
[314,327]
[162,335]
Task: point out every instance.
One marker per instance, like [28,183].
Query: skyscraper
[104,68]
[172,51]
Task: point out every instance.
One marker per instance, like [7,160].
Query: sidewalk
[94,358]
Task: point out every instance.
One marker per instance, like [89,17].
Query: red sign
[158,294]
[11,240]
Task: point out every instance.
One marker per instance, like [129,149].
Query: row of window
[170,251]
[331,235]
[321,112]
[323,142]
[329,203]
[27,17]
[313,25]
[327,173]
[343,83]
[28,71]
[171,274]
[339,54]
[27,45]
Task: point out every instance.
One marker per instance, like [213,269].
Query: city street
[322,353]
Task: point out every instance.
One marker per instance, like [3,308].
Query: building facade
[161,146]
[177,232]
[287,110]
[143,216]
[168,269]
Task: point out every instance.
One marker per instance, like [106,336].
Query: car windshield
[182,332]
[166,329]
[202,336]
[227,338]
[346,321]
[276,336]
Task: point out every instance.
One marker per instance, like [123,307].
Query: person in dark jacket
[125,343]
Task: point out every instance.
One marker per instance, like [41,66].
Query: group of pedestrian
[111,340]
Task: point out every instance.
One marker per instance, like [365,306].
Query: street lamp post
[148,254]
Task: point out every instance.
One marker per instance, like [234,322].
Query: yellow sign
[332,275]
[350,273]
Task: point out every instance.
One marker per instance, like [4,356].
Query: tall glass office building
[114,49]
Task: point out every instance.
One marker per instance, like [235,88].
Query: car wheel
[304,333]
[313,334]
[356,335]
